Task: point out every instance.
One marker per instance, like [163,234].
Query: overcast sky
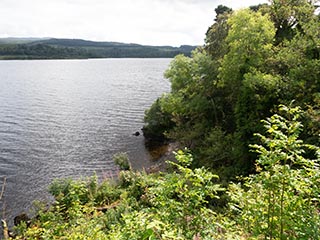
[152,22]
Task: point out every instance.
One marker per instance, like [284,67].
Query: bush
[281,201]
[122,160]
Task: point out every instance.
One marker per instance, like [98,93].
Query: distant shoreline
[22,59]
[38,49]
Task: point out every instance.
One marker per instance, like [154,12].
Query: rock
[136,134]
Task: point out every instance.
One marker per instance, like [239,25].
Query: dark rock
[136,134]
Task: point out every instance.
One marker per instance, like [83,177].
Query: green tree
[190,103]
[249,41]
[249,65]
[289,16]
[216,34]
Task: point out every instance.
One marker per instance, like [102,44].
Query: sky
[149,22]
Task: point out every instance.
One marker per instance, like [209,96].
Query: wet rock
[136,134]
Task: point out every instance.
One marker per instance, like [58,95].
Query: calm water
[66,118]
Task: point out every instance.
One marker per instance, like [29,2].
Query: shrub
[280,202]
[122,160]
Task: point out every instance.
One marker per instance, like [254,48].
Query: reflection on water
[66,118]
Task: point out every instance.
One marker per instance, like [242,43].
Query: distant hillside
[13,40]
[53,48]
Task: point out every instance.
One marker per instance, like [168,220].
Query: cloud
[153,22]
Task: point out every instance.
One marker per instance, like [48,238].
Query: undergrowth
[280,201]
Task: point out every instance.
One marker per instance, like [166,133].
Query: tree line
[77,48]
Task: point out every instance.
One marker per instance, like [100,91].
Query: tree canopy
[253,60]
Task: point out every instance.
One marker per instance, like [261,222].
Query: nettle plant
[282,200]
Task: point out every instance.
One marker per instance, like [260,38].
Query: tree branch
[3,187]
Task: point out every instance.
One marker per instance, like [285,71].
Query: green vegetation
[281,201]
[15,48]
[250,176]
[122,160]
[253,60]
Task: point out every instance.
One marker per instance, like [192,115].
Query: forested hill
[53,48]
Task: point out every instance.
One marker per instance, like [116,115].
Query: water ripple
[67,119]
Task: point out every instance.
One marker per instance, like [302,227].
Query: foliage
[122,160]
[252,61]
[289,16]
[216,34]
[187,103]
[282,200]
[158,122]
[249,41]
[140,206]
